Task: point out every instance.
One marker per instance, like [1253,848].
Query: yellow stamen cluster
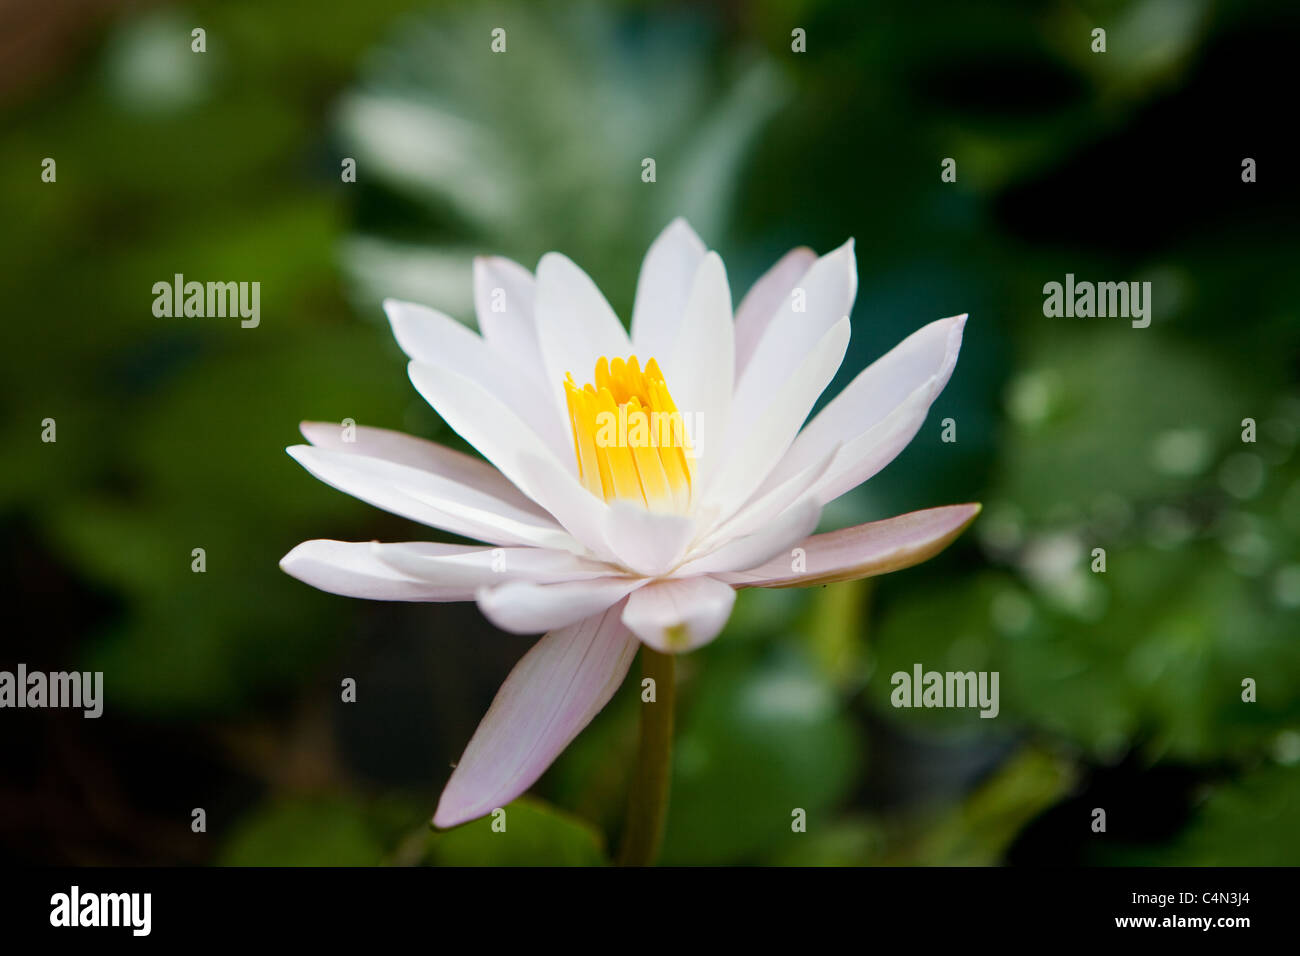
[629,437]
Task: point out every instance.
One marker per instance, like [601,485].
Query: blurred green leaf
[759,737]
[837,631]
[978,831]
[327,831]
[1154,653]
[535,834]
[542,147]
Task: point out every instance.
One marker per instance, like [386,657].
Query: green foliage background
[1120,690]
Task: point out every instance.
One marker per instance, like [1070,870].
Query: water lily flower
[633,481]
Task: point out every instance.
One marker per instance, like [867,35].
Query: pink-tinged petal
[432,499]
[575,327]
[428,571]
[662,290]
[699,368]
[829,287]
[426,455]
[765,298]
[679,614]
[750,457]
[880,411]
[776,538]
[863,551]
[353,569]
[550,696]
[503,302]
[471,567]
[525,608]
[439,341]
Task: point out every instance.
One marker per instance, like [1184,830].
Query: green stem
[647,806]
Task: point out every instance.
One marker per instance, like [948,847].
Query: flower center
[629,437]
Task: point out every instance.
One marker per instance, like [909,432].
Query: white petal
[648,543]
[776,538]
[550,696]
[765,298]
[427,571]
[751,457]
[431,499]
[503,439]
[503,302]
[700,367]
[525,608]
[353,569]
[679,614]
[575,326]
[662,289]
[766,504]
[439,341]
[829,287]
[880,411]
[471,568]
[421,453]
[863,551]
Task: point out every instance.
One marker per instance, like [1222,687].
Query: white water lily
[608,544]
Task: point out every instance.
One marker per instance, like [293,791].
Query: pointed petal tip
[847,250]
[445,818]
[545,702]
[963,515]
[966,512]
[291,563]
[313,431]
[680,224]
[958,331]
